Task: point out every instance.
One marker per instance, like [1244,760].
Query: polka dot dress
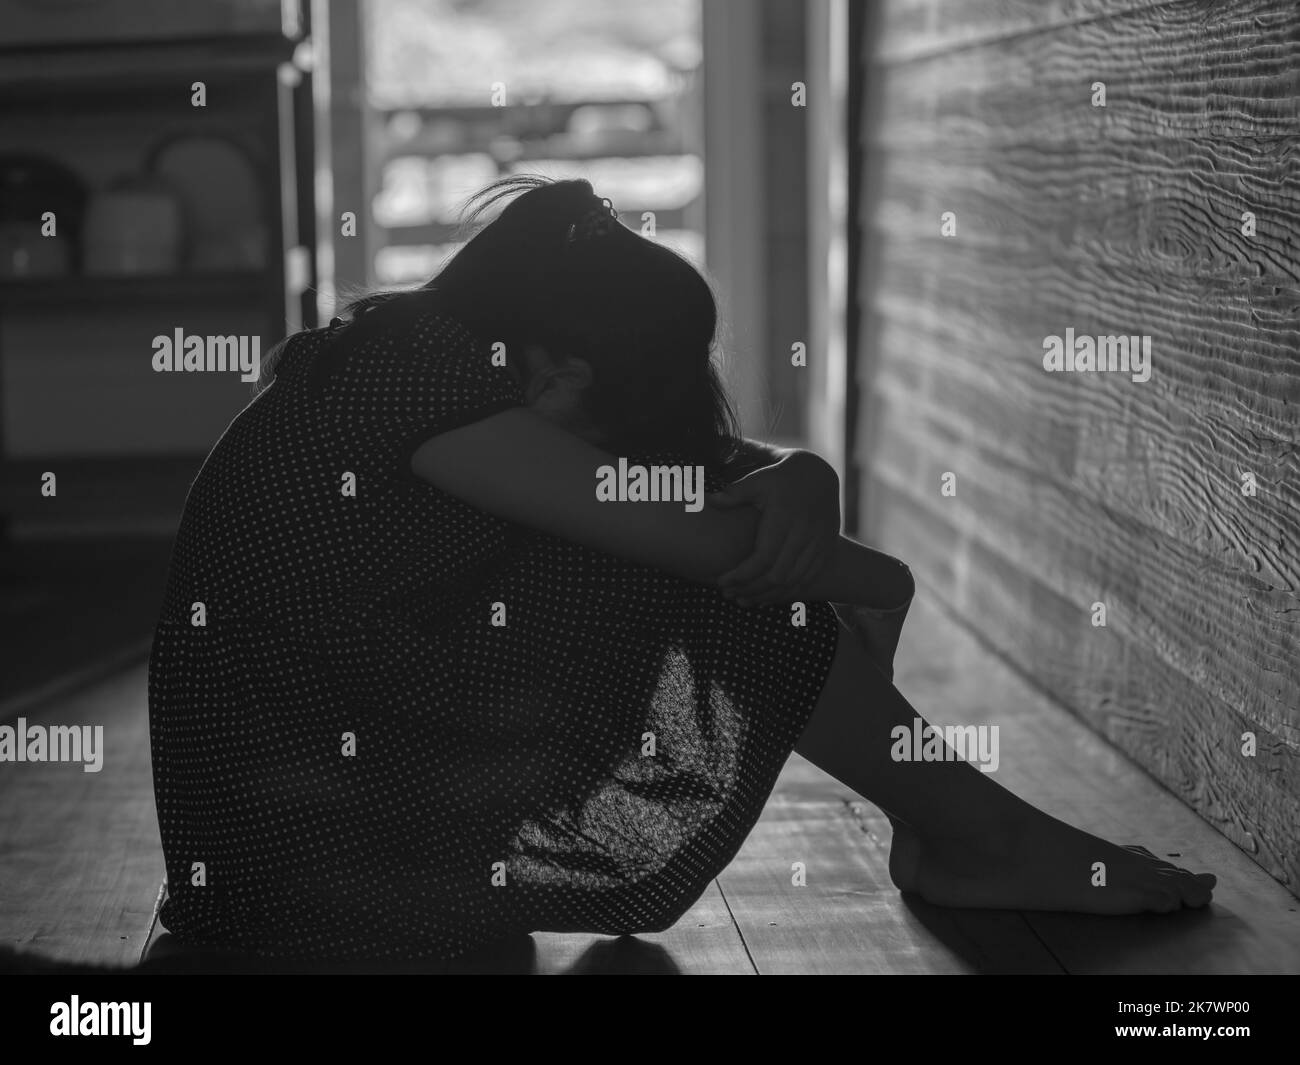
[387,724]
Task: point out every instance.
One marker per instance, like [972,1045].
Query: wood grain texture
[1101,546]
[1085,487]
[848,918]
[1054,761]
[911,29]
[80,852]
[705,942]
[1169,724]
[1114,481]
[1195,67]
[1168,206]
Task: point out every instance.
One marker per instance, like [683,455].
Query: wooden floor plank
[79,851]
[846,918]
[1051,759]
[990,941]
[849,918]
[704,942]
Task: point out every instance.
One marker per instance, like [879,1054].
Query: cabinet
[78,393]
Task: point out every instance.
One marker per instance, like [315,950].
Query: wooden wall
[1077,488]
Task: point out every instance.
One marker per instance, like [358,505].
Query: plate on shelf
[221,201]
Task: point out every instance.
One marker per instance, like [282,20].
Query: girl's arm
[521,467]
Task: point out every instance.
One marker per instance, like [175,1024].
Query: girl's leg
[959,838]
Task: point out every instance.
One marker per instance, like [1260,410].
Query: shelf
[44,69]
[81,291]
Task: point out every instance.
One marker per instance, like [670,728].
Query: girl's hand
[799,502]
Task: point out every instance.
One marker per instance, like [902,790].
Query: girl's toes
[1162,901]
[1192,890]
[1201,890]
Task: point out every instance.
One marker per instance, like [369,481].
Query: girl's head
[609,333]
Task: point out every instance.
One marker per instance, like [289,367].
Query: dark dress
[351,760]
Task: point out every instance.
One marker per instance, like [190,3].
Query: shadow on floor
[623,956]
[1108,943]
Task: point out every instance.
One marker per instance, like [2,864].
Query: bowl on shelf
[219,189]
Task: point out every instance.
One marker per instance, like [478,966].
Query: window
[460,93]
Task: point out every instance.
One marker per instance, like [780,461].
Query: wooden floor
[80,864]
[74,610]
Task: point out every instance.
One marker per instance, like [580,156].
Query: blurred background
[240,167]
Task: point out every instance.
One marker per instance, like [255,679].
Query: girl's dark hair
[640,314]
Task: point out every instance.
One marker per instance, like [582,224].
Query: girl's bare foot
[1042,865]
[960,839]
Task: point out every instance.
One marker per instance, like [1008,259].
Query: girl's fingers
[777,575]
[789,588]
[783,581]
[766,549]
[807,566]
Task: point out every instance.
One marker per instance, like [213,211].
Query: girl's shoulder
[440,325]
[396,338]
[290,354]
[409,329]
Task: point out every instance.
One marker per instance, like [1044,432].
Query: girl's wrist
[811,469]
